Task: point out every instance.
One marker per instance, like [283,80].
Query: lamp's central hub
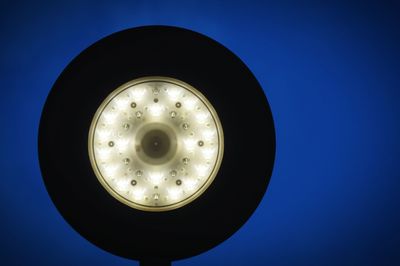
[156,143]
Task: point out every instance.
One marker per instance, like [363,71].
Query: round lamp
[156,144]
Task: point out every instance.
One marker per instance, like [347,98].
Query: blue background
[331,72]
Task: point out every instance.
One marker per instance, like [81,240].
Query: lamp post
[156,144]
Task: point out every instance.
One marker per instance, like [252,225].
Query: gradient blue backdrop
[331,72]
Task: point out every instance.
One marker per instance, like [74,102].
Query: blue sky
[331,73]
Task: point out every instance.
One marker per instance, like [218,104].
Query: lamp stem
[155,263]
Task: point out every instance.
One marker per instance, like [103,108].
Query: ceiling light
[155,143]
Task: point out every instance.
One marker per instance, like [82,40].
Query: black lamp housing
[157,238]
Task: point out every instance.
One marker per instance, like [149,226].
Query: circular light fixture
[155,143]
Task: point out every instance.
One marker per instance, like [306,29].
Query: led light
[103,153]
[208,153]
[201,170]
[155,90]
[201,117]
[138,114]
[156,178]
[122,145]
[102,135]
[138,93]
[121,103]
[138,194]
[208,134]
[109,117]
[122,185]
[191,184]
[185,160]
[110,170]
[156,109]
[185,126]
[174,93]
[173,193]
[173,114]
[139,173]
[155,144]
[190,144]
[190,103]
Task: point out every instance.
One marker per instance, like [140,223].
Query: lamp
[156,144]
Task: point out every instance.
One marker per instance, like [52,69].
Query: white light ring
[200,190]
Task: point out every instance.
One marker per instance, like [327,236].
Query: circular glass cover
[155,143]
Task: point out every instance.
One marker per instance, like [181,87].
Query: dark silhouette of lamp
[156,144]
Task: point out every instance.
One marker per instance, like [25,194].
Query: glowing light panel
[156,143]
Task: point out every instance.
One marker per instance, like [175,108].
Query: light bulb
[155,143]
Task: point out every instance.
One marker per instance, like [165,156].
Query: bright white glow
[174,93]
[102,135]
[122,184]
[110,117]
[202,170]
[208,153]
[156,178]
[190,144]
[156,109]
[189,103]
[208,134]
[138,193]
[122,144]
[103,153]
[122,103]
[202,117]
[190,184]
[174,193]
[117,151]
[110,170]
[138,93]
